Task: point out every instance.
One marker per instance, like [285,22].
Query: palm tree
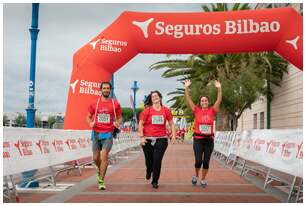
[272,67]
[224,7]
[243,75]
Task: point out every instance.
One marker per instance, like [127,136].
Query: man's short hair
[110,85]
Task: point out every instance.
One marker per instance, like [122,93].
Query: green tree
[272,68]
[244,78]
[127,114]
[51,121]
[20,120]
[138,110]
[38,122]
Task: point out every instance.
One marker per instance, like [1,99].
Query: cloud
[64,28]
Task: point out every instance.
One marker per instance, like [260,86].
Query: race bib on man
[104,118]
[158,119]
[205,128]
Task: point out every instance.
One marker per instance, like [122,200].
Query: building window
[262,120]
[254,121]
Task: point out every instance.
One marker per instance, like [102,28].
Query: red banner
[277,30]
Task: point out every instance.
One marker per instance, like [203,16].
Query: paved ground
[126,183]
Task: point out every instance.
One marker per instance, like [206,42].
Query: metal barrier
[124,142]
[227,142]
[223,145]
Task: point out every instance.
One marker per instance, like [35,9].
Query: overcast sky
[64,28]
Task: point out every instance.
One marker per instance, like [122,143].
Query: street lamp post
[27,176]
[34,33]
[113,86]
[134,88]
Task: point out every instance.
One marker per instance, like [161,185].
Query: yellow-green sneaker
[102,185]
[99,178]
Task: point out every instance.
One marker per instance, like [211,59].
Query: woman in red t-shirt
[153,134]
[203,136]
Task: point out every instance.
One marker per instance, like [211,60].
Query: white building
[286,106]
[287,103]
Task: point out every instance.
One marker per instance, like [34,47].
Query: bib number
[104,118]
[205,129]
[158,119]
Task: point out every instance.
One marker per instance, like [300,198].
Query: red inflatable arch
[132,33]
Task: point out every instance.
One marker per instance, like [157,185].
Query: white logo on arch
[94,43]
[293,42]
[143,25]
[73,85]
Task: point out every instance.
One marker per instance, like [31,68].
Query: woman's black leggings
[203,146]
[154,156]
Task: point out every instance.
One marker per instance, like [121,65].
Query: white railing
[277,149]
[27,149]
[224,141]
[265,151]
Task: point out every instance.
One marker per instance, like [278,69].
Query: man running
[101,118]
